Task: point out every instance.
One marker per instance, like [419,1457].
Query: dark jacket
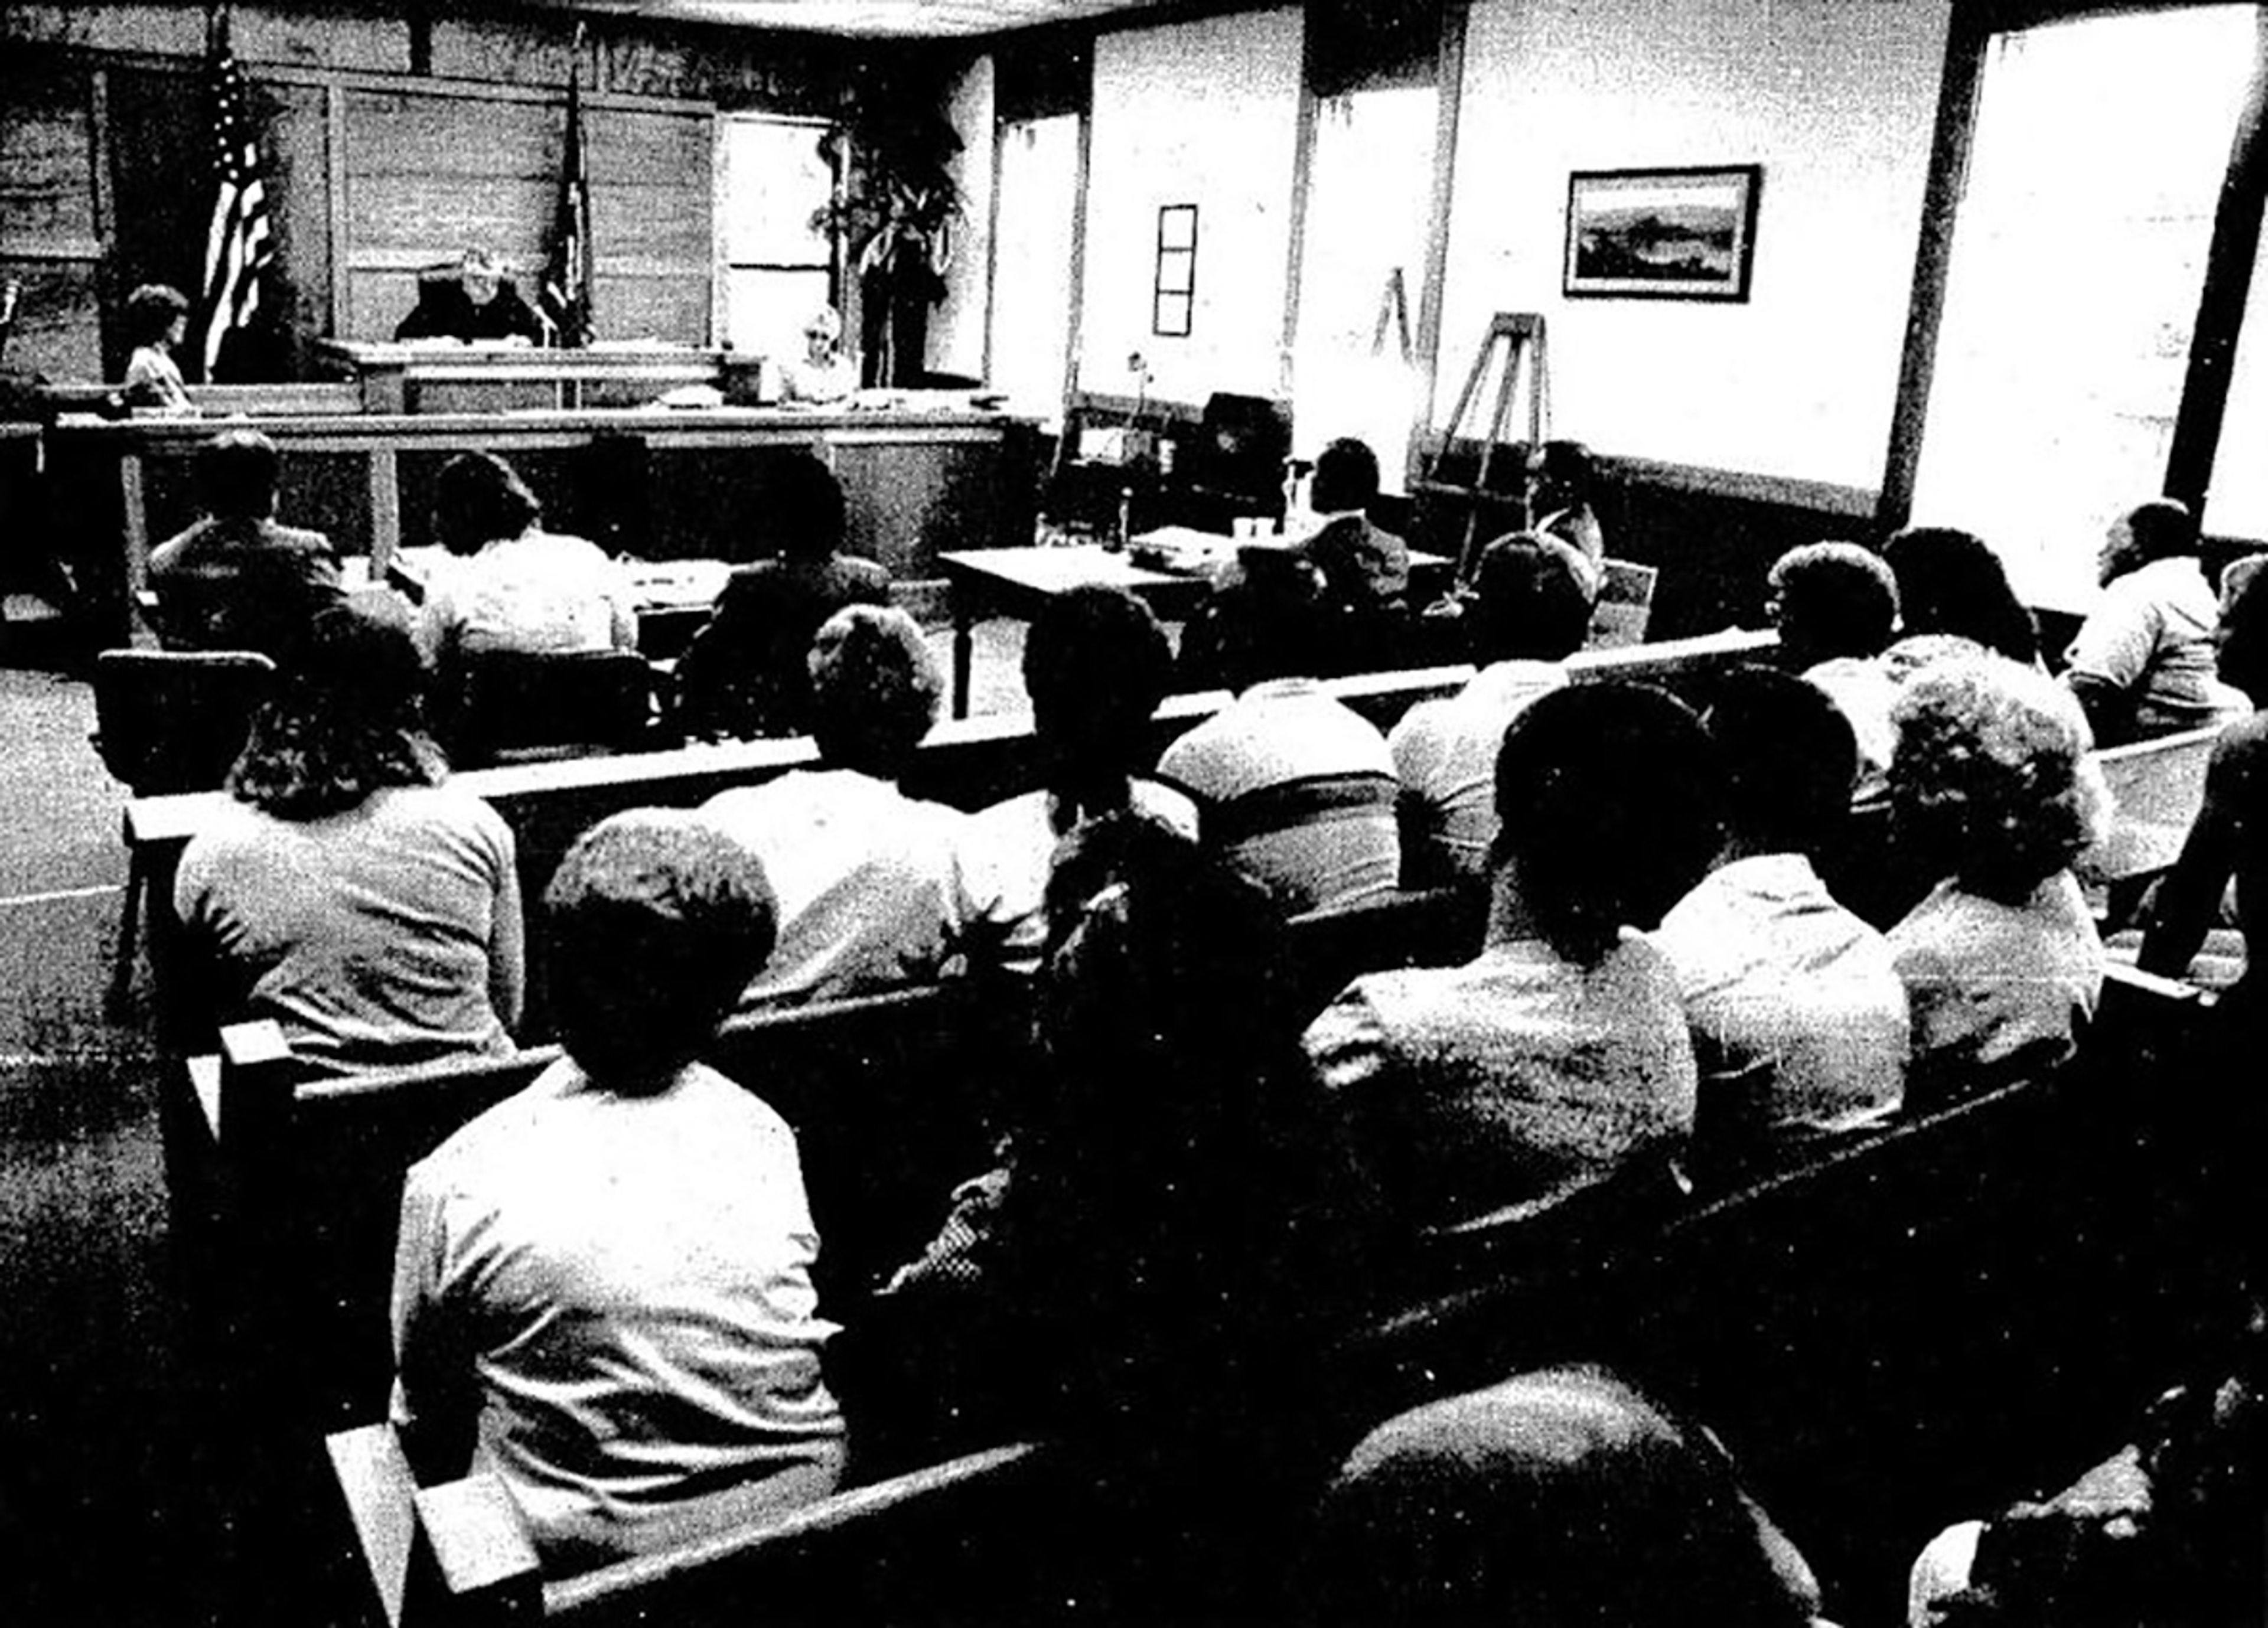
[444,312]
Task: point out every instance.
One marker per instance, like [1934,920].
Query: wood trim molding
[1449,92]
[1854,502]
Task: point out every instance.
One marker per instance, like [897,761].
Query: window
[2078,258]
[777,266]
[1034,231]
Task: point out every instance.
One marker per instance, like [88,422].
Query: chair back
[515,703]
[1625,605]
[174,720]
[2157,788]
[1242,443]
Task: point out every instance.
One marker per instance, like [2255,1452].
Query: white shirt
[1018,839]
[2152,633]
[540,593]
[877,890]
[1790,997]
[1984,980]
[1277,733]
[1864,691]
[1473,1092]
[629,1279]
[1444,755]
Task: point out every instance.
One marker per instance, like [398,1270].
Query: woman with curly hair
[350,893]
[1992,789]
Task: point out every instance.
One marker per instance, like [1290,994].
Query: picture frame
[1681,233]
[1173,287]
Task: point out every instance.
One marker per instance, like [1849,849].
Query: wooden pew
[2157,788]
[916,1543]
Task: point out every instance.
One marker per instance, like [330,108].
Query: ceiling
[911,20]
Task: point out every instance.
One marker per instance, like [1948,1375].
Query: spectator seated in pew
[877,890]
[1096,665]
[1992,789]
[511,587]
[1169,1218]
[348,893]
[1484,1092]
[2142,662]
[236,580]
[2230,838]
[1292,785]
[747,674]
[1954,599]
[1836,604]
[1560,1499]
[1526,614]
[1365,568]
[1798,1016]
[1561,479]
[602,1287]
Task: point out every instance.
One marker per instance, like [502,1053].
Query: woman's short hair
[1836,599]
[1096,665]
[1991,782]
[151,310]
[1607,796]
[1789,758]
[478,499]
[653,924]
[1530,601]
[236,474]
[805,502]
[1552,1500]
[1950,581]
[348,715]
[875,690]
[1346,477]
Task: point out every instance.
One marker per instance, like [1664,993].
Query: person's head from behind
[1561,1499]
[653,924]
[1268,618]
[236,476]
[1950,581]
[1991,783]
[1561,474]
[479,275]
[348,715]
[805,504]
[1529,602]
[157,314]
[1096,665]
[480,499]
[2160,529]
[2243,637]
[875,690]
[1346,478]
[1833,600]
[1606,798]
[1789,760]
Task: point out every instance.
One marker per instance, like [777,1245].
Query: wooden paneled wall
[394,134]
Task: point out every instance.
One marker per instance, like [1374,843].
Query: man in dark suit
[236,580]
[481,305]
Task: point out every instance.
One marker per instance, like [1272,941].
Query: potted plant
[893,221]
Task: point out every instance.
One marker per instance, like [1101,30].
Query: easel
[1520,335]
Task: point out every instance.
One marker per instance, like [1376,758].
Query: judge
[482,305]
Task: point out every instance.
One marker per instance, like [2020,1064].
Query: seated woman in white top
[156,320]
[1484,1092]
[1992,787]
[514,586]
[350,893]
[602,1285]
[1096,665]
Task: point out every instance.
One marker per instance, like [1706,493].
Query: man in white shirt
[2142,664]
[1294,786]
[1528,613]
[877,890]
[1798,1014]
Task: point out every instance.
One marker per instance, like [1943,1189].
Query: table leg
[964,647]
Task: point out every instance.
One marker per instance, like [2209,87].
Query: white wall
[1202,112]
[956,326]
[1836,99]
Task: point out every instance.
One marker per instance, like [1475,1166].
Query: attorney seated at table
[237,579]
[747,672]
[479,304]
[513,587]
[826,372]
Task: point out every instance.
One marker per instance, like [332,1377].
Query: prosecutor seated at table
[478,305]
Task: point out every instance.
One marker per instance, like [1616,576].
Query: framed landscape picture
[1662,234]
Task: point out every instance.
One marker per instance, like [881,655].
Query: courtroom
[1126,812]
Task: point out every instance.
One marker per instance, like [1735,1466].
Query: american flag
[566,294]
[238,247]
